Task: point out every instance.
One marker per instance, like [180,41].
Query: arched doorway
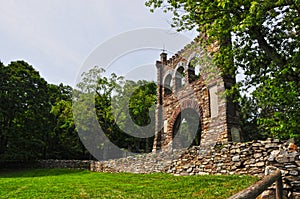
[187,129]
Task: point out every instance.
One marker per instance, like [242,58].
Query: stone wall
[258,158]
[146,163]
[71,164]
[249,158]
[45,164]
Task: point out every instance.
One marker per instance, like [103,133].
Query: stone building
[192,108]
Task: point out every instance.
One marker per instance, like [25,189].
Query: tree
[36,119]
[92,107]
[260,38]
[62,141]
[142,99]
[117,104]
[133,107]
[24,104]
[249,117]
[3,115]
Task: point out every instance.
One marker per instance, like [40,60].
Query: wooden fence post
[279,188]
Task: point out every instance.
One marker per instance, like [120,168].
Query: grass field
[66,183]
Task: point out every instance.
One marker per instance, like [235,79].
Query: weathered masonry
[192,108]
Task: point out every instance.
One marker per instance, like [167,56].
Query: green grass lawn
[67,183]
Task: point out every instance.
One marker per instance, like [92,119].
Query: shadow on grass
[30,173]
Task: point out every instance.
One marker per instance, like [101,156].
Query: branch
[270,51]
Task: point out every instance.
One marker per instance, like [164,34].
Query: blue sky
[57,36]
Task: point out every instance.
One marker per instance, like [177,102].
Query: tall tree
[24,104]
[3,113]
[264,43]
[118,104]
[133,107]
[92,107]
[62,141]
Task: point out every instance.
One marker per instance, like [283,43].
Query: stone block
[271,145]
[236,158]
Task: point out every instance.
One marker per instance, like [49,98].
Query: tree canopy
[36,120]
[260,38]
[24,104]
[122,109]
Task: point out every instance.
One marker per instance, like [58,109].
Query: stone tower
[190,98]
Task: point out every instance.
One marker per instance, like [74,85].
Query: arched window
[179,78]
[168,85]
[193,70]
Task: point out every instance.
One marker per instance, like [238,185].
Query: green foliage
[249,116]
[59,183]
[141,101]
[36,120]
[260,38]
[117,104]
[280,114]
[63,141]
[134,108]
[23,109]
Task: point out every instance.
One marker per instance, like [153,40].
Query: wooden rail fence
[255,190]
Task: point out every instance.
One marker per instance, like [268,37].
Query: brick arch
[169,72]
[178,84]
[180,64]
[192,56]
[188,103]
[173,122]
[167,87]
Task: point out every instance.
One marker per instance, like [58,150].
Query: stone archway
[186,129]
[168,85]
